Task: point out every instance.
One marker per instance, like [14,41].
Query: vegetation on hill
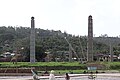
[18,39]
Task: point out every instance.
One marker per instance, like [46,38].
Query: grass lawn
[28,64]
[109,65]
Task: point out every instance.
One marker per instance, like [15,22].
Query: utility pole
[70,54]
[111,52]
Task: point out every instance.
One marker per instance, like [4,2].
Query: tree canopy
[16,38]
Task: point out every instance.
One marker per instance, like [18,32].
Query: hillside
[17,38]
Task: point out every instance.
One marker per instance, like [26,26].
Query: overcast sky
[65,15]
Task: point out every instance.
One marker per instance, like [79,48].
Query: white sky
[65,15]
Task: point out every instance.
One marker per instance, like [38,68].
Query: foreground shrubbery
[37,64]
[115,65]
[109,65]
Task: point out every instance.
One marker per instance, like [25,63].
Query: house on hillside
[105,57]
[8,54]
[6,57]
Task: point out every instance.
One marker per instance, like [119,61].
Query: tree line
[18,39]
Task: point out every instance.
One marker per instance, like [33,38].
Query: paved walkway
[116,76]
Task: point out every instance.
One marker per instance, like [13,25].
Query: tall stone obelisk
[32,41]
[90,40]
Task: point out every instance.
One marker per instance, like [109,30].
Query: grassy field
[28,64]
[109,65]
